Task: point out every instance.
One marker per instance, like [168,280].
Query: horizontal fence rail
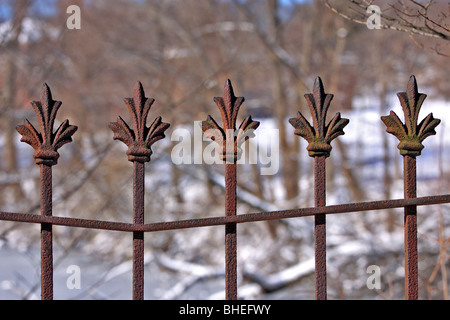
[139,139]
[222,220]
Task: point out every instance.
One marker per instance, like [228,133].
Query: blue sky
[46,7]
[43,7]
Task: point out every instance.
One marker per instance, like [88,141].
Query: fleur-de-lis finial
[319,135]
[229,138]
[410,134]
[46,143]
[139,139]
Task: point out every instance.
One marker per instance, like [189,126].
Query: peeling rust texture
[320,243]
[46,234]
[410,225]
[138,236]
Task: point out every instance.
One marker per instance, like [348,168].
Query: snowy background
[192,266]
[183,51]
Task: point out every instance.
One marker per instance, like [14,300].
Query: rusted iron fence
[139,139]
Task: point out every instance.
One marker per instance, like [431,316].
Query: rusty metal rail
[139,139]
[223,220]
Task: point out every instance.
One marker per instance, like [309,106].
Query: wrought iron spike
[228,137]
[411,135]
[319,135]
[46,143]
[139,139]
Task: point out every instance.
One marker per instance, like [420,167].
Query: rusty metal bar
[229,139]
[138,236]
[69,222]
[319,137]
[411,135]
[410,225]
[320,243]
[223,220]
[139,141]
[46,234]
[230,233]
[46,144]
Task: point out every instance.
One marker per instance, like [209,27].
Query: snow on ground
[32,31]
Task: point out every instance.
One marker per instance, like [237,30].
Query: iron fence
[139,138]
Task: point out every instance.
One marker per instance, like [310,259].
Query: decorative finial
[319,135]
[46,143]
[139,139]
[410,134]
[228,138]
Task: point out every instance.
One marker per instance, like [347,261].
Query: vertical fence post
[410,225]
[46,234]
[138,236]
[139,141]
[229,140]
[230,232]
[319,137]
[46,143]
[411,136]
[320,243]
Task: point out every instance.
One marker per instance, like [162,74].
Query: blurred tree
[11,52]
[419,19]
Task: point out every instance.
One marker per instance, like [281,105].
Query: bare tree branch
[410,16]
